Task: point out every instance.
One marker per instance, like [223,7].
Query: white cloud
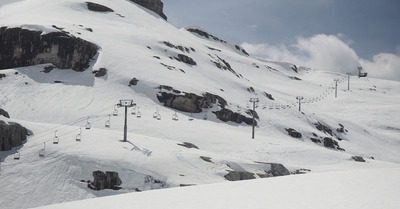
[330,53]
[383,65]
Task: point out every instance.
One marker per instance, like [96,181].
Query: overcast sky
[329,34]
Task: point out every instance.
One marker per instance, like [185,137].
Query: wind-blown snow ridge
[135,44]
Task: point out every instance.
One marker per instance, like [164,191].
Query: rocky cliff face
[153,5]
[11,135]
[21,47]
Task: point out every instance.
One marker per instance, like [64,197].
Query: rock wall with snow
[21,47]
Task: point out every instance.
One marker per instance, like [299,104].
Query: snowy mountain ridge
[145,57]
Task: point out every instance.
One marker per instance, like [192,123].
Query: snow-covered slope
[136,43]
[344,189]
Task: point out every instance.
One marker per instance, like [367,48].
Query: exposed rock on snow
[108,180]
[188,145]
[133,82]
[4,113]
[228,115]
[153,5]
[11,135]
[100,72]
[269,96]
[239,175]
[98,7]
[21,47]
[186,59]
[358,159]
[188,102]
[293,133]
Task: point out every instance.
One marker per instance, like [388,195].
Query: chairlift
[88,125]
[42,151]
[79,136]
[107,124]
[175,117]
[55,139]
[115,112]
[191,117]
[17,155]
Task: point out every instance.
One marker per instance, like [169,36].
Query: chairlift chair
[115,112]
[55,139]
[17,155]
[138,115]
[158,116]
[205,117]
[107,124]
[133,111]
[191,117]
[175,117]
[42,151]
[88,125]
[79,136]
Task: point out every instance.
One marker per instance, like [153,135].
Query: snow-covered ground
[366,188]
[369,111]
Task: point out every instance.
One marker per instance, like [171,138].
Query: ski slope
[344,189]
[129,45]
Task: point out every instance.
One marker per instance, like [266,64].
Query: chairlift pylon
[55,139]
[42,151]
[79,136]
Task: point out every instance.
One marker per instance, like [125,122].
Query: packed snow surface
[133,43]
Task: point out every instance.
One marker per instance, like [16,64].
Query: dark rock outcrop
[293,133]
[98,7]
[188,145]
[331,143]
[278,170]
[153,5]
[108,180]
[188,102]
[228,115]
[21,47]
[185,59]
[2,75]
[4,113]
[239,175]
[133,82]
[324,128]
[11,135]
[358,159]
[269,96]
[100,72]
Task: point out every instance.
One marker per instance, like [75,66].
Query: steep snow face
[136,43]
